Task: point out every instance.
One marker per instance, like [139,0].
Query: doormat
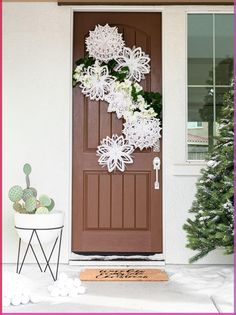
[123,275]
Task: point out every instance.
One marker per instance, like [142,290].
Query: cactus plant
[51,206]
[15,193]
[17,206]
[27,171]
[45,201]
[42,210]
[34,191]
[27,193]
[30,204]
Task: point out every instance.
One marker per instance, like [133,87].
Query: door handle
[156,165]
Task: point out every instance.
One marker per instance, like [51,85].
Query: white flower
[78,73]
[104,43]
[114,153]
[96,83]
[79,69]
[138,87]
[137,62]
[119,98]
[143,132]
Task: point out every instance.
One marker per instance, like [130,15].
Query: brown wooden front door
[118,212]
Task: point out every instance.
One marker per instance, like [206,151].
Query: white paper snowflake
[137,62]
[142,133]
[104,43]
[114,153]
[96,82]
[119,98]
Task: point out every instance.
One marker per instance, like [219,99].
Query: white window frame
[188,12]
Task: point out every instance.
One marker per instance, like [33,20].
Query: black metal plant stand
[29,245]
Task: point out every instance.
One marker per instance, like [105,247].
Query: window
[210,70]
[195,124]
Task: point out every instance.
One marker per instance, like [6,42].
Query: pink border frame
[1,191]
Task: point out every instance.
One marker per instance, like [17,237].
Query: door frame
[128,9]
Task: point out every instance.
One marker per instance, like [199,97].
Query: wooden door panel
[119,201]
[118,212]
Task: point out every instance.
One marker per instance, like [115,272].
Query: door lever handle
[156,165]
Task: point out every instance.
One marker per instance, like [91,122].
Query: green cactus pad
[45,201]
[27,193]
[27,169]
[17,207]
[30,204]
[51,206]
[34,191]
[15,193]
[42,210]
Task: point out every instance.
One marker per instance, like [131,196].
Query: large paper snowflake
[96,82]
[104,43]
[137,62]
[114,153]
[142,133]
[119,98]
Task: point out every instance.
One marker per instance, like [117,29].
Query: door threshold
[94,263]
[117,257]
[117,260]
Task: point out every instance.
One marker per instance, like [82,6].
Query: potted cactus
[34,213]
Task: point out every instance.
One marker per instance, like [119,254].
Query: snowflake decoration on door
[142,133]
[104,43]
[96,82]
[137,62]
[114,153]
[112,72]
[119,98]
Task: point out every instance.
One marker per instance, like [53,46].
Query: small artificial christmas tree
[212,225]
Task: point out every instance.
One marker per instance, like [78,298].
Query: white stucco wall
[37,118]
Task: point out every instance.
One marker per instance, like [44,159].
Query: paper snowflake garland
[119,98]
[96,82]
[142,133]
[115,153]
[137,62]
[104,43]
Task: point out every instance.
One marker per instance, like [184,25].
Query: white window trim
[225,10]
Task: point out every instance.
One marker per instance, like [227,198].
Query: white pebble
[61,284]
[69,282]
[50,288]
[81,290]
[16,300]
[77,282]
[58,284]
[55,292]
[6,301]
[26,291]
[62,277]
[7,295]
[64,292]
[34,299]
[25,299]
[73,292]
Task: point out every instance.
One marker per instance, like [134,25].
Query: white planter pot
[52,220]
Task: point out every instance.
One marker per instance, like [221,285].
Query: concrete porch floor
[195,288]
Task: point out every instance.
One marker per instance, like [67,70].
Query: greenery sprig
[153,99]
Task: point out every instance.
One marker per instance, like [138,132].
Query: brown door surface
[118,212]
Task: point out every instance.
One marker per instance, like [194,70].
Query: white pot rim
[47,225]
[51,220]
[56,212]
